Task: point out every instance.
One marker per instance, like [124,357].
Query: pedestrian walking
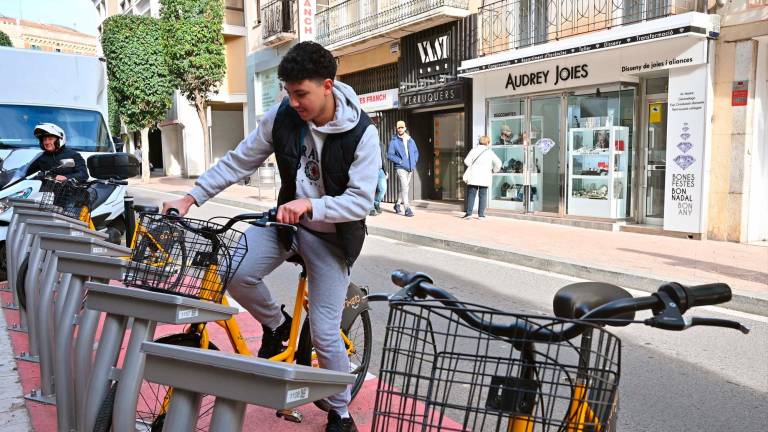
[403,153]
[381,190]
[481,163]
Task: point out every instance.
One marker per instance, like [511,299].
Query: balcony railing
[277,18]
[353,18]
[512,24]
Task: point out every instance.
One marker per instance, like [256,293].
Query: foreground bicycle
[197,259]
[456,366]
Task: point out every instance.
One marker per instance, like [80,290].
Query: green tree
[114,112]
[5,40]
[194,48]
[138,74]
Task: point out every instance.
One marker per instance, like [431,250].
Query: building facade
[611,116]
[48,37]
[176,145]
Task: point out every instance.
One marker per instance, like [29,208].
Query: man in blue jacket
[403,153]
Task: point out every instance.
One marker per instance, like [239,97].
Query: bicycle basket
[439,373]
[66,198]
[181,256]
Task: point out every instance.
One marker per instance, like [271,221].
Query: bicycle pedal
[290,415]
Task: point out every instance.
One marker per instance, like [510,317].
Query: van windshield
[85,130]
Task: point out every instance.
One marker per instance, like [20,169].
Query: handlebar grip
[401,278]
[707,294]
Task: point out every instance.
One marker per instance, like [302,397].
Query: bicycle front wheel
[360,339]
[150,412]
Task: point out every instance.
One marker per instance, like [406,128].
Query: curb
[753,304]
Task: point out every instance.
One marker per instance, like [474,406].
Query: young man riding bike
[327,151]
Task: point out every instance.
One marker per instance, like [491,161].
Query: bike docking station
[235,381]
[15,204]
[53,284]
[30,276]
[146,309]
[17,247]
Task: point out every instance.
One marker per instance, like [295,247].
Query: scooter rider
[53,142]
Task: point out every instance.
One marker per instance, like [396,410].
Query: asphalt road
[703,379]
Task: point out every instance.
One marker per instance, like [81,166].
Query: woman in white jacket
[481,163]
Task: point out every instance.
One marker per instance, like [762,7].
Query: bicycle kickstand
[291,415]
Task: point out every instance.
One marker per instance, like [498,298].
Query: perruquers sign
[379,101]
[307,27]
[600,67]
[686,138]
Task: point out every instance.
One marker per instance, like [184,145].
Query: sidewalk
[639,261]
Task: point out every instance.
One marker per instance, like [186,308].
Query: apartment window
[58,50]
[35,47]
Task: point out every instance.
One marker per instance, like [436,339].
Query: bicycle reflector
[183,256]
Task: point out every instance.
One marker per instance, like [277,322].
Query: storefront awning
[689,25]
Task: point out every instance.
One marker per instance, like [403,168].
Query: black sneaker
[338,424]
[272,340]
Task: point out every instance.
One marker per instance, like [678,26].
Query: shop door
[544,168]
[448,155]
[656,157]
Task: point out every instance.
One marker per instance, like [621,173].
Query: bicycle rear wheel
[361,336]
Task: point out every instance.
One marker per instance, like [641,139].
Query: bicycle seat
[146,208]
[575,300]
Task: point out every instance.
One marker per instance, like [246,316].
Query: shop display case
[598,171]
[510,143]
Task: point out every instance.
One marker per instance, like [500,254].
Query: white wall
[757,222]
[226,133]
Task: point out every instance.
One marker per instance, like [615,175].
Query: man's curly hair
[307,61]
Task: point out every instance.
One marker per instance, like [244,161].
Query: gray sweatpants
[404,177]
[328,281]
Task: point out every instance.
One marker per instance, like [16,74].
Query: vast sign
[434,55]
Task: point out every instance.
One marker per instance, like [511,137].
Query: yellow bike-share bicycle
[197,259]
[450,365]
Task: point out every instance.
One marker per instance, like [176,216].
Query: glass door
[449,155]
[507,129]
[544,154]
[656,157]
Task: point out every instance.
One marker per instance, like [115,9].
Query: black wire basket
[439,373]
[184,256]
[66,198]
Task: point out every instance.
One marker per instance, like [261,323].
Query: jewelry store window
[599,155]
[507,129]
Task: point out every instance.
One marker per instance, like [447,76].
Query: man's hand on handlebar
[291,212]
[181,204]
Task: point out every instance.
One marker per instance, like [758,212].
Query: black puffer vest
[288,133]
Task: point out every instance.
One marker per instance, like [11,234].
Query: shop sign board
[379,101]
[307,20]
[600,67]
[686,138]
[271,89]
[740,93]
[443,95]
[434,55]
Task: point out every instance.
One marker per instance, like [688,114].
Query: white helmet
[49,129]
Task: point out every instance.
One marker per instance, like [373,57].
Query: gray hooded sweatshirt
[352,205]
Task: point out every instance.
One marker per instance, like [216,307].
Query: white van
[44,87]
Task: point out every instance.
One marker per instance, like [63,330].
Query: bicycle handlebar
[265,220]
[668,304]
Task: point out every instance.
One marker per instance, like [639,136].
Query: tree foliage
[114,112]
[137,69]
[194,44]
[194,49]
[5,40]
